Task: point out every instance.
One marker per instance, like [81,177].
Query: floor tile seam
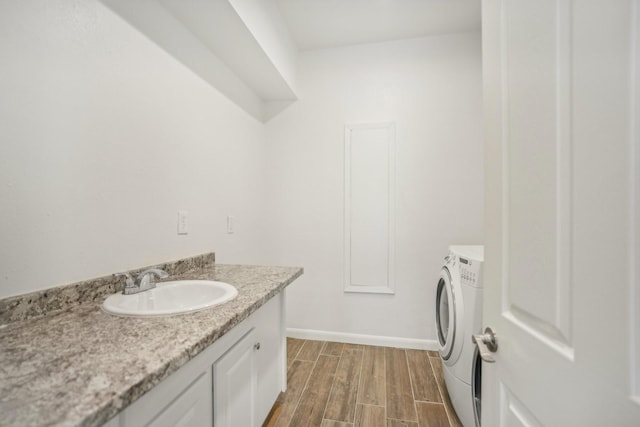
[403,421]
[306,384]
[342,349]
[410,385]
[305,381]
[326,403]
[298,353]
[411,382]
[317,355]
[320,351]
[434,378]
[326,354]
[295,356]
[383,376]
[361,351]
[338,421]
[413,394]
[446,410]
[369,404]
[331,391]
[375,406]
[326,343]
[386,392]
[429,402]
[360,379]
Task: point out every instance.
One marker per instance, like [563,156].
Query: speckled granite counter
[77,365]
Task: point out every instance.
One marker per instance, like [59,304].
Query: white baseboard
[412,343]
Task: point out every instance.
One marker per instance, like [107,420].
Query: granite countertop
[78,365]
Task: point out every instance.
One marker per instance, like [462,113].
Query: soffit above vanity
[240,47]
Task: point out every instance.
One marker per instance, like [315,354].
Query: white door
[562,135]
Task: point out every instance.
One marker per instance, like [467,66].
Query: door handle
[487,344]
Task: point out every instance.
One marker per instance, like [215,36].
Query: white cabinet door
[561,85]
[235,384]
[192,408]
[270,356]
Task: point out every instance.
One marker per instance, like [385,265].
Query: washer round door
[445,314]
[476,386]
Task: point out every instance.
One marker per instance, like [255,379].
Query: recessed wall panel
[369,231]
[513,412]
[537,118]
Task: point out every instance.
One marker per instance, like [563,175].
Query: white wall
[431,88]
[103,138]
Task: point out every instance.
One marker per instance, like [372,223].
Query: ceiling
[317,24]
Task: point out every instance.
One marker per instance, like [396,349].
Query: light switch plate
[230,227]
[183,222]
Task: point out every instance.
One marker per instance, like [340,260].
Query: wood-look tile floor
[346,385]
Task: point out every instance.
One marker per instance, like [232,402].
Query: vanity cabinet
[234,382]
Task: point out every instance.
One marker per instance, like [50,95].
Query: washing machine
[458,317]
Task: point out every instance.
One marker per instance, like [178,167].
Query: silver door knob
[487,344]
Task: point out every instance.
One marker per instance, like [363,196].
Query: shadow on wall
[242,71]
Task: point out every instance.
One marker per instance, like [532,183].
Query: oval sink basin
[167,298]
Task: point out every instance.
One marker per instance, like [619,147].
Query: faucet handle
[161,274]
[145,279]
[129,282]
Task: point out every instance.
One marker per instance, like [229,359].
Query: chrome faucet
[144,282]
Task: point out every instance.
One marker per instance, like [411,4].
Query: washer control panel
[469,271]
